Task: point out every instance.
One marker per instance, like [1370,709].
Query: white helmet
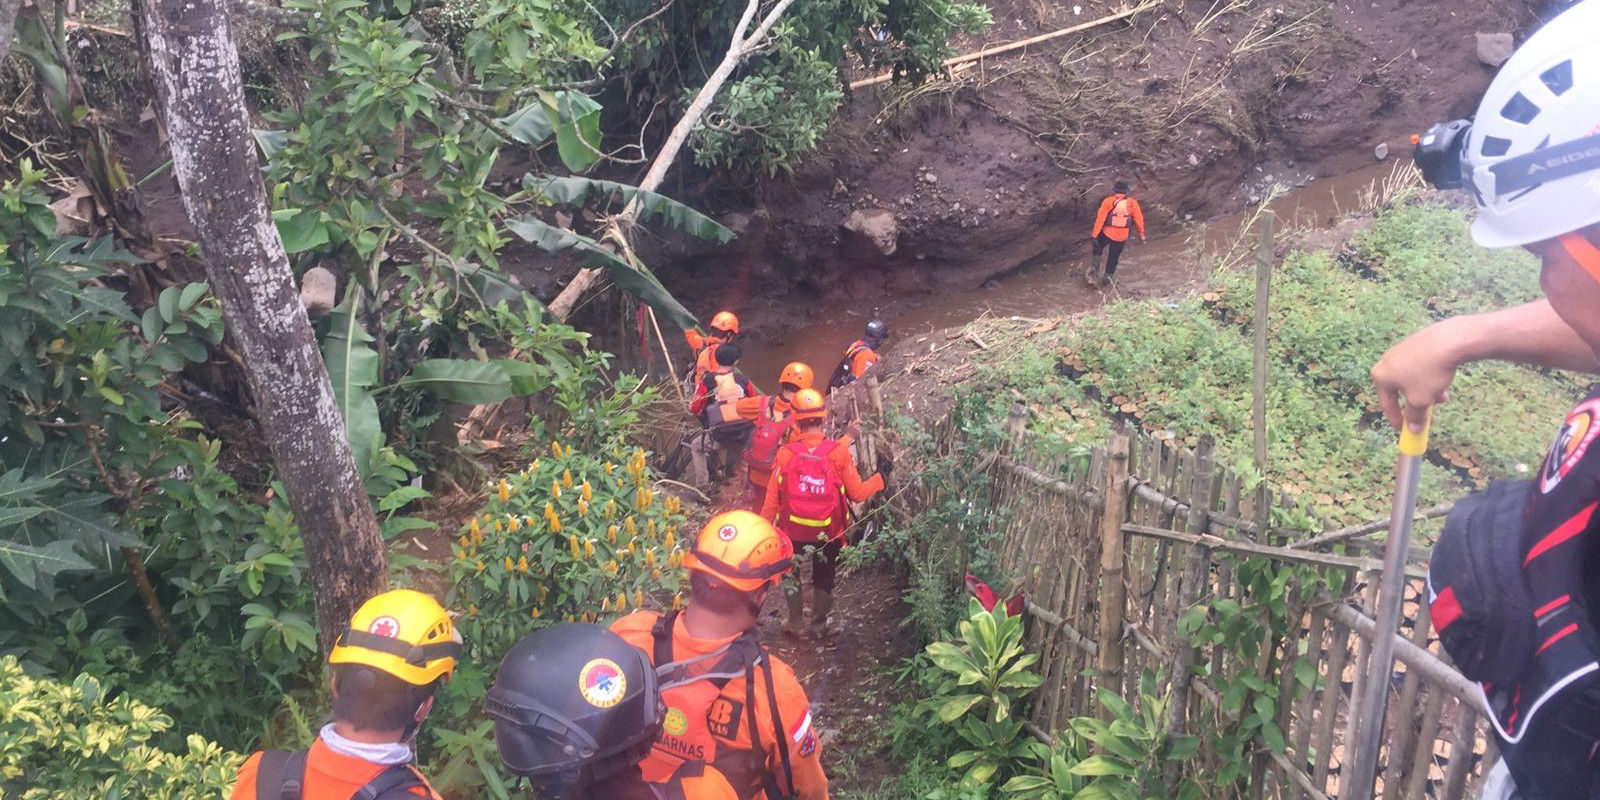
[1533,154]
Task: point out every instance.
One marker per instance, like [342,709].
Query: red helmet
[742,550]
[797,375]
[726,322]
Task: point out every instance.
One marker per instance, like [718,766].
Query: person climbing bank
[1118,213]
[399,648]
[731,704]
[860,355]
[770,415]
[723,328]
[1531,157]
[812,477]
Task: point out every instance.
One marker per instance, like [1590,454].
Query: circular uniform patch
[602,683]
[1577,433]
[385,626]
[676,723]
[728,533]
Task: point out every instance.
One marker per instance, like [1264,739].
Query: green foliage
[82,739]
[982,694]
[768,121]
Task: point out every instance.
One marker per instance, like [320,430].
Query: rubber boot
[796,626]
[822,605]
[1093,275]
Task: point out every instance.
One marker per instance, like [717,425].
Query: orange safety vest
[1119,214]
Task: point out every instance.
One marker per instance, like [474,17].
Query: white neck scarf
[387,753]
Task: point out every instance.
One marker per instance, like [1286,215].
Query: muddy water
[1053,286]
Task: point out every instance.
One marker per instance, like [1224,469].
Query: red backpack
[811,504]
[762,451]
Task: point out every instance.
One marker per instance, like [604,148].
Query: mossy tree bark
[195,69]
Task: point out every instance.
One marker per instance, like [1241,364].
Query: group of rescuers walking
[681,705]
[690,705]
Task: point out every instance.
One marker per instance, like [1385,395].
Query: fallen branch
[1006,48]
[704,498]
[1358,531]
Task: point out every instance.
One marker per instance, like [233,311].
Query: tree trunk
[195,69]
[8,25]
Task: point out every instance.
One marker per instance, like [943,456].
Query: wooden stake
[1259,411]
[1113,563]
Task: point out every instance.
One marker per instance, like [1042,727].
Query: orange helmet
[725,321]
[742,550]
[796,374]
[808,404]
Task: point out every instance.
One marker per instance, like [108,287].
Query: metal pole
[1375,692]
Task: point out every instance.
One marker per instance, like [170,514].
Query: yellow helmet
[404,633]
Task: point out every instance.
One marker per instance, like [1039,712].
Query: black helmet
[574,703]
[877,332]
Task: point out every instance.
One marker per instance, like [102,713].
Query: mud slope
[1201,105]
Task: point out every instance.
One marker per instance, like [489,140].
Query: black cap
[728,354]
[1120,187]
[573,704]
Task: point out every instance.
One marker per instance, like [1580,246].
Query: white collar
[387,753]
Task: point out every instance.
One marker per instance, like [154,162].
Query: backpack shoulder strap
[777,725]
[280,775]
[394,783]
[661,635]
[825,448]
[769,781]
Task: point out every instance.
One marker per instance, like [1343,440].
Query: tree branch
[8,25]
[131,555]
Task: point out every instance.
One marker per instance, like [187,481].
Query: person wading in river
[1118,212]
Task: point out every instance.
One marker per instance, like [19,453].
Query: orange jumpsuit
[329,776]
[705,351]
[855,488]
[720,734]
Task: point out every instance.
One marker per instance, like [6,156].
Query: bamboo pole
[1195,569]
[1258,413]
[1113,565]
[1435,671]
[1270,551]
[1006,48]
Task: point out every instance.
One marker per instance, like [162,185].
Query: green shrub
[78,740]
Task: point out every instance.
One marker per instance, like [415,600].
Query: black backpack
[287,772]
[1478,598]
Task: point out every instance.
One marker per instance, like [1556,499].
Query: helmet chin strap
[1582,251]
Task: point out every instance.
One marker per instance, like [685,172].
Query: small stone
[1381,152]
[930,178]
[563,220]
[1253,199]
[1495,48]
[1194,160]
[1013,156]
[839,189]
[983,211]
[317,289]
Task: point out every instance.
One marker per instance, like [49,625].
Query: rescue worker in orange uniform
[811,479]
[1118,212]
[772,423]
[400,646]
[724,326]
[716,405]
[860,355]
[575,709]
[731,704]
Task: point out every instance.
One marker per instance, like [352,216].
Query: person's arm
[799,735]
[1416,373]
[1100,217]
[748,407]
[695,340]
[1138,217]
[769,504]
[244,788]
[855,488]
[701,395]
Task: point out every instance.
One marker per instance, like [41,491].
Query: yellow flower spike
[632,548]
[515,525]
[588,492]
[633,530]
[583,507]
[510,565]
[536,613]
[474,528]
[555,448]
[522,565]
[611,534]
[478,566]
[605,604]
[569,450]
[611,509]
[588,548]
[534,467]
[650,529]
[555,524]
[566,479]
[611,566]
[464,541]
[549,510]
[649,558]
[498,528]
[577,550]
[472,609]
[609,467]
[677,602]
[638,598]
[555,488]
[505,490]
[667,542]
[622,600]
[655,574]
